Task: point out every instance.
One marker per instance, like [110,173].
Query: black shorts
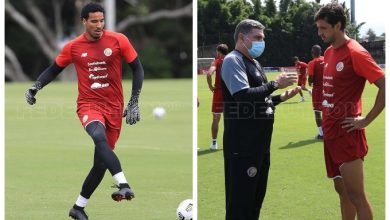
[245,186]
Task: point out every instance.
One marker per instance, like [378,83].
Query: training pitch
[297,186]
[48,154]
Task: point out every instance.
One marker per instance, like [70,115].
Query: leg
[98,133]
[94,177]
[317,115]
[352,173]
[214,125]
[348,211]
[245,188]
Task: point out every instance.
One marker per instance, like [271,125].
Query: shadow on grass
[300,143]
[289,103]
[207,151]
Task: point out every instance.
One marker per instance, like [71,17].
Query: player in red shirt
[347,67]
[217,105]
[302,76]
[97,56]
[315,70]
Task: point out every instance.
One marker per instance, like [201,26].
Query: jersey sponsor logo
[97,85]
[326,104]
[339,66]
[84,54]
[91,76]
[85,118]
[328,77]
[326,84]
[325,65]
[327,94]
[97,68]
[252,171]
[96,63]
[107,52]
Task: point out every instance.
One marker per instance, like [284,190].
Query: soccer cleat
[319,137]
[78,214]
[302,99]
[213,146]
[123,193]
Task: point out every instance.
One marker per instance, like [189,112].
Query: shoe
[302,99]
[213,146]
[319,137]
[309,91]
[78,214]
[123,193]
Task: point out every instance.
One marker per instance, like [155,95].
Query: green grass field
[297,187]
[48,154]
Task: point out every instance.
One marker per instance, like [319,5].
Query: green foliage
[290,31]
[174,41]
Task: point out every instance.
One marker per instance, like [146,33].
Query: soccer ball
[159,112]
[184,210]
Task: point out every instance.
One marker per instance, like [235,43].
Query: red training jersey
[98,66]
[346,70]
[315,69]
[218,64]
[301,69]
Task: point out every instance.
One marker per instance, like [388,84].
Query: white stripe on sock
[81,201]
[120,178]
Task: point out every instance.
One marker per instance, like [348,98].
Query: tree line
[36,30]
[290,28]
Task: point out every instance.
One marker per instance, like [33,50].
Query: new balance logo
[84,54]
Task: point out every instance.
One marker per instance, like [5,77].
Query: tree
[48,25]
[371,35]
[270,8]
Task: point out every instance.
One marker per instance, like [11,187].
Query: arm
[138,78]
[47,76]
[261,92]
[362,122]
[209,74]
[132,112]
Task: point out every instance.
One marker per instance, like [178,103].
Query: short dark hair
[90,8]
[295,59]
[246,26]
[332,13]
[223,49]
[316,50]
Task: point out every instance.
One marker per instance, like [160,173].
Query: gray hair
[246,26]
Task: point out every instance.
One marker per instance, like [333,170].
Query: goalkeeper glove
[30,93]
[132,113]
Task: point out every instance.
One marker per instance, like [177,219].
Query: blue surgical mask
[256,49]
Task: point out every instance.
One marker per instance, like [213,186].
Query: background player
[315,70]
[302,78]
[347,67]
[97,56]
[217,104]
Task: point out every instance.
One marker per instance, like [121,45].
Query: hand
[290,93]
[30,95]
[286,79]
[354,123]
[132,113]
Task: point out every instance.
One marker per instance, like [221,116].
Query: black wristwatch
[274,84]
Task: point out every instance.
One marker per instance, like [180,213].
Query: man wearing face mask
[248,120]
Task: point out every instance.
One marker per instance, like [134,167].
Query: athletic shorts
[217,105]
[110,117]
[317,99]
[343,149]
[302,81]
